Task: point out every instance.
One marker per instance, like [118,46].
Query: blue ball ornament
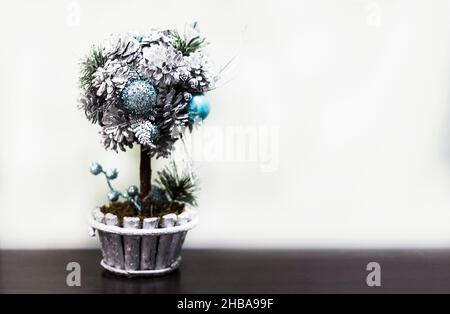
[139,97]
[158,195]
[111,174]
[113,196]
[95,168]
[132,190]
[199,107]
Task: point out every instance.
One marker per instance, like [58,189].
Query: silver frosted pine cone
[161,37]
[123,47]
[111,79]
[116,131]
[200,70]
[170,118]
[162,64]
[92,106]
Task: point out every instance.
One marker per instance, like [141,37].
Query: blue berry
[111,174]
[132,191]
[113,196]
[95,168]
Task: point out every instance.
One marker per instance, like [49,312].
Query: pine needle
[179,187]
[192,46]
[92,62]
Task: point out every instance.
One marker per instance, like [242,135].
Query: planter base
[152,248]
[146,273]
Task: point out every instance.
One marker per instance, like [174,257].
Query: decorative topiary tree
[148,90]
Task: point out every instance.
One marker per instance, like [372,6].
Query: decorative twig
[132,194]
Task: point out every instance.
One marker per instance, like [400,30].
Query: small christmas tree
[148,90]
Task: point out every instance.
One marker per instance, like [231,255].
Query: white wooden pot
[151,248]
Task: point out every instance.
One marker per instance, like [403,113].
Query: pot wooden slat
[100,217]
[162,256]
[180,243]
[132,244]
[115,242]
[175,245]
[148,244]
[192,215]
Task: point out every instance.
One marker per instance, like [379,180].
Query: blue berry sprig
[132,193]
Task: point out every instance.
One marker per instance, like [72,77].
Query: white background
[356,89]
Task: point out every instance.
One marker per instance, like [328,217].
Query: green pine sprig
[92,62]
[179,186]
[191,46]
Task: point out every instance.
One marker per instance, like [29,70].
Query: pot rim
[147,272]
[141,232]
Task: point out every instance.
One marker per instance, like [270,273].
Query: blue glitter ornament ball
[199,107]
[139,97]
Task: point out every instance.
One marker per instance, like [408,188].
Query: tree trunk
[145,173]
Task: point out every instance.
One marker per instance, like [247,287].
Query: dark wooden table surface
[233,271]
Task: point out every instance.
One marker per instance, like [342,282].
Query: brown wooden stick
[145,174]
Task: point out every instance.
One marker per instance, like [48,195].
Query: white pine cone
[200,70]
[170,119]
[116,131]
[163,64]
[162,37]
[123,47]
[111,79]
[92,107]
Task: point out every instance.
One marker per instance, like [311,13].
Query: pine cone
[200,72]
[92,106]
[162,37]
[163,64]
[111,79]
[123,47]
[170,114]
[116,131]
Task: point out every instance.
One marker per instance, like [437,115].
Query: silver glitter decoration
[145,132]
